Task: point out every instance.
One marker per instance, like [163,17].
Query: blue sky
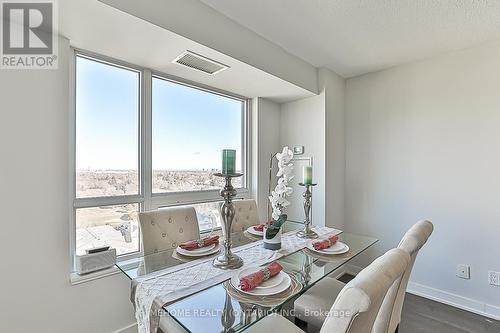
[190,126]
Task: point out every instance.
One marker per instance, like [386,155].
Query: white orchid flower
[285,156]
[281,188]
[278,196]
[285,170]
[276,213]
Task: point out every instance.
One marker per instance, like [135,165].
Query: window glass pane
[190,129]
[116,226]
[107,129]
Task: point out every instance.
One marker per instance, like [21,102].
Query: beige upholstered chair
[317,301]
[246,214]
[165,228]
[357,304]
[320,297]
[390,312]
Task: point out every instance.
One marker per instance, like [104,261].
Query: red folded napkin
[259,227]
[253,280]
[326,243]
[199,243]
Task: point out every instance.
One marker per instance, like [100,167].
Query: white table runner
[153,291]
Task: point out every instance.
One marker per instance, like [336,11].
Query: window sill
[76,279]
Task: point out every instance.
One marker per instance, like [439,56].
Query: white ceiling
[93,26]
[352,37]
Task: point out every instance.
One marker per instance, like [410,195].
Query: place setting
[330,246]
[263,285]
[197,248]
[256,231]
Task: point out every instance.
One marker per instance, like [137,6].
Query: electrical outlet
[463,271]
[494,278]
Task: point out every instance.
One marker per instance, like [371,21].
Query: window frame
[167,199]
[145,198]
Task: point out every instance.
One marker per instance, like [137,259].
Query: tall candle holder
[307,232]
[227,319]
[227,260]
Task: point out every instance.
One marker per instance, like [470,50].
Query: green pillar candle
[228,161]
[307,175]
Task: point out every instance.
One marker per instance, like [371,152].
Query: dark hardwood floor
[421,315]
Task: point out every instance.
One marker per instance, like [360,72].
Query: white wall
[34,240]
[422,141]
[333,87]
[266,141]
[303,124]
[317,123]
[34,192]
[222,34]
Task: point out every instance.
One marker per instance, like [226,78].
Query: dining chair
[246,214]
[320,297]
[390,312]
[165,228]
[356,307]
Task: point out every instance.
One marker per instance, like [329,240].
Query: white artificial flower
[285,156]
[276,213]
[278,196]
[285,170]
[285,178]
[280,188]
[283,188]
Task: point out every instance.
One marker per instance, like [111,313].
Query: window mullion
[106,201]
[146,140]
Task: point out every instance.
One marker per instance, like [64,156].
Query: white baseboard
[461,302]
[132,328]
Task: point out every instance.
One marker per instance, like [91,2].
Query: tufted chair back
[246,214]
[390,312]
[357,305]
[165,228]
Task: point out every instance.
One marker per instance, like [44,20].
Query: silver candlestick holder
[227,260]
[227,319]
[307,232]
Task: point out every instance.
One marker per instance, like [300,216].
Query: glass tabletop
[221,308]
[147,264]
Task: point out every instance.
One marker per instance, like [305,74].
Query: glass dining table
[220,308]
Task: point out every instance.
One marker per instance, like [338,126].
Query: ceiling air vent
[200,63]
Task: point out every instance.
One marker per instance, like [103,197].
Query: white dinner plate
[196,253]
[271,289]
[202,249]
[252,231]
[337,248]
